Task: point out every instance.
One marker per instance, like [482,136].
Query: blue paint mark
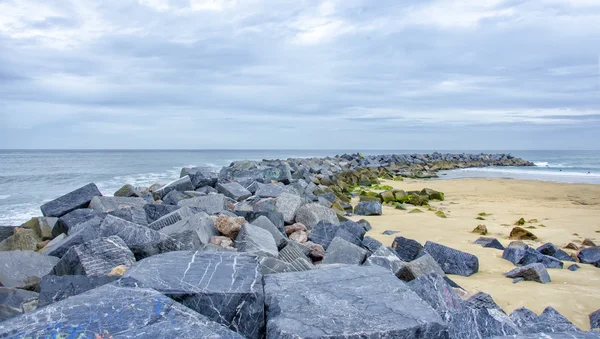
[74,332]
[158,305]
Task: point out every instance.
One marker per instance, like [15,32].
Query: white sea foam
[6,196]
[525,173]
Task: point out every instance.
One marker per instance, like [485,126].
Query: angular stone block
[127,191]
[82,233]
[434,290]
[174,217]
[136,215]
[211,204]
[72,219]
[121,310]
[372,245]
[590,255]
[109,204]
[490,243]
[6,231]
[52,243]
[80,198]
[482,300]
[348,236]
[234,191]
[95,258]
[425,264]
[323,233]
[23,240]
[181,184]
[357,229]
[201,176]
[255,240]
[386,258]
[519,253]
[368,208]
[288,204]
[341,251]
[42,226]
[199,223]
[157,211]
[311,214]
[293,253]
[480,323]
[453,261]
[55,288]
[266,224]
[323,304]
[225,287]
[142,241]
[407,249]
[532,272]
[14,302]
[549,321]
[269,190]
[24,269]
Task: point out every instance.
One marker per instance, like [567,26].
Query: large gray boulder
[226,287]
[127,191]
[436,292]
[109,204]
[386,258]
[200,176]
[121,310]
[532,272]
[482,300]
[269,190]
[200,223]
[24,269]
[79,198]
[549,321]
[423,265]
[590,255]
[266,224]
[341,251]
[43,226]
[74,218]
[323,304]
[157,211]
[14,302]
[55,288]
[294,254]
[490,243]
[234,191]
[520,253]
[142,241]
[255,240]
[95,258]
[480,323]
[288,204]
[311,214]
[323,233]
[172,218]
[247,172]
[368,208]
[407,249]
[135,214]
[181,184]
[79,234]
[211,204]
[453,261]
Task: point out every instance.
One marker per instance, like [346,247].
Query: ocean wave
[550,165]
[530,172]
[6,196]
[17,214]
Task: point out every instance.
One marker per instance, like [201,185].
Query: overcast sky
[387,74]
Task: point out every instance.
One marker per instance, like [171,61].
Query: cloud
[295,74]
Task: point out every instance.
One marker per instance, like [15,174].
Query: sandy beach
[564,212]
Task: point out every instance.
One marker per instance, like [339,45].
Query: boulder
[341,251]
[407,249]
[181,213]
[480,229]
[551,262]
[348,236]
[432,194]
[532,272]
[372,245]
[311,214]
[323,233]
[547,249]
[425,264]
[481,323]
[385,258]
[211,204]
[519,253]
[482,300]
[522,317]
[109,204]
[199,223]
[121,309]
[255,240]
[80,198]
[269,265]
[590,255]
[356,229]
[142,241]
[299,237]
[269,190]
[275,217]
[55,288]
[234,191]
[548,322]
[52,243]
[288,204]
[181,184]
[453,261]
[434,290]
[574,267]
[295,228]
[368,208]
[6,231]
[94,258]
[156,211]
[490,243]
[23,269]
[127,191]
[174,197]
[136,215]
[519,233]
[201,176]
[588,242]
[14,302]
[296,254]
[322,304]
[226,287]
[72,219]
[595,319]
[42,226]
[229,226]
[22,239]
[317,252]
[266,224]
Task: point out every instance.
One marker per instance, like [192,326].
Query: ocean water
[30,178]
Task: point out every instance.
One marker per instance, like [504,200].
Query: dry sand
[569,212]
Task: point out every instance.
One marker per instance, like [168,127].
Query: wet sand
[568,213]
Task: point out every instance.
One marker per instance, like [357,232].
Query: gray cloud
[313,74]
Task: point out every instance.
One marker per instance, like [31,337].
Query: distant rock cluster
[257,250]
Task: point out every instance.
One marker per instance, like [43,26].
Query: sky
[296,74]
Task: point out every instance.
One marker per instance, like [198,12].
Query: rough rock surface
[311,214]
[6,231]
[74,218]
[136,215]
[255,240]
[423,265]
[23,239]
[323,233]
[199,223]
[42,226]
[157,211]
[519,253]
[481,323]
[211,204]
[372,245]
[109,204]
[288,204]
[453,261]
[315,304]
[433,289]
[590,255]
[171,218]
[368,208]
[548,322]
[95,258]
[407,249]
[266,224]
[595,319]
[532,272]
[24,269]
[181,184]
[386,258]
[482,300]
[341,251]
[55,288]
[490,243]
[225,287]
[80,198]
[234,191]
[108,311]
[14,302]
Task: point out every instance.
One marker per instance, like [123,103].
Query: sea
[29,178]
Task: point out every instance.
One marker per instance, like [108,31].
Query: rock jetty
[260,249]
